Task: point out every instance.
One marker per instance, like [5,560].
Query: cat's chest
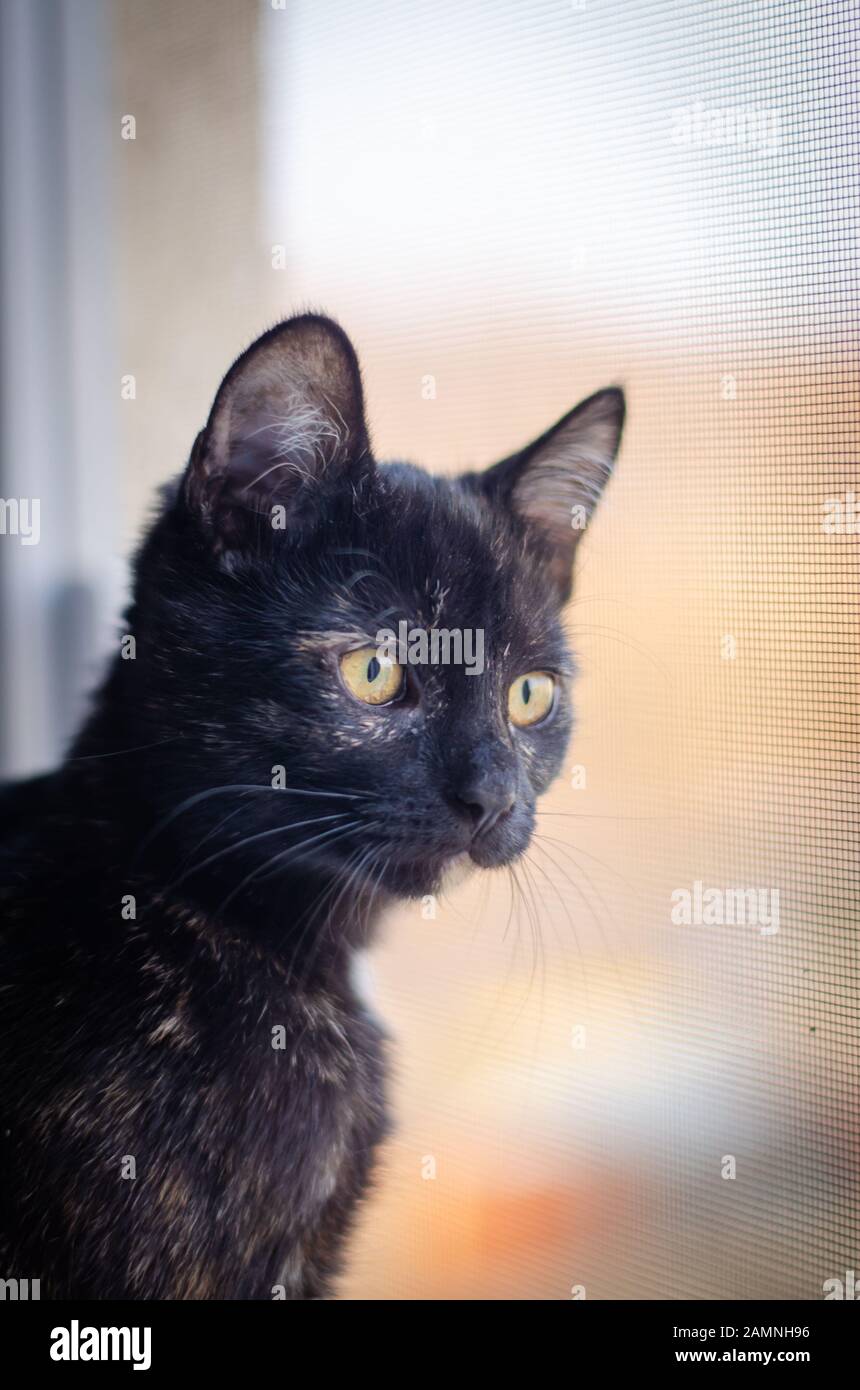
[288,1109]
[299,1093]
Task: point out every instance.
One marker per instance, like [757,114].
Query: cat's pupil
[527,692]
[373,669]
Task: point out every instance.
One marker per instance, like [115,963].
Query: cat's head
[271,606]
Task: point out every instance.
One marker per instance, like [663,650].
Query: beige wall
[193,276]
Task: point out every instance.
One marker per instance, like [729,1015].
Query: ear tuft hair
[555,483]
[286,427]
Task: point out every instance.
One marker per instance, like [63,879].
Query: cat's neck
[309,926]
[301,948]
[303,921]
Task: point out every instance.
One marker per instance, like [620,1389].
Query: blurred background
[508,206]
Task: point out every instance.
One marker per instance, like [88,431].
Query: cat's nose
[485,800]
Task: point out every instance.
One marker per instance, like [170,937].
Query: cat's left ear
[555,483]
[286,432]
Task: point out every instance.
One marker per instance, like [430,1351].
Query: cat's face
[378,651]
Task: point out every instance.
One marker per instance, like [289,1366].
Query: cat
[192,1091]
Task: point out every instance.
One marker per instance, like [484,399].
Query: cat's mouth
[417,874]
[493,852]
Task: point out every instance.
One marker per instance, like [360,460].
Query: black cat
[191,1090]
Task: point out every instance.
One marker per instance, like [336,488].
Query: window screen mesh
[509,206]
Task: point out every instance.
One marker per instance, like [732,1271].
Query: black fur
[165,907]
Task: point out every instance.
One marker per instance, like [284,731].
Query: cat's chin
[420,879]
[457,870]
[425,875]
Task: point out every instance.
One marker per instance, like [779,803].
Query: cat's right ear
[285,433]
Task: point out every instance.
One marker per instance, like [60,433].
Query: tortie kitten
[192,1092]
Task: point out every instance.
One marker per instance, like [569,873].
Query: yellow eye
[374,679]
[530,698]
